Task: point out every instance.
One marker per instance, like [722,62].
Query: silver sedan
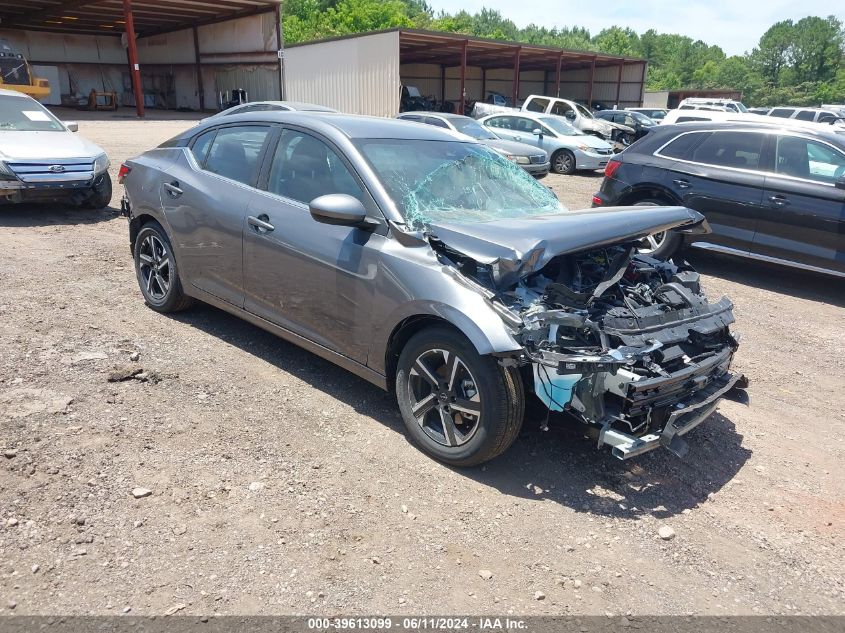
[533,160]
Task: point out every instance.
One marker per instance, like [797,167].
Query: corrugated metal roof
[436,47]
[105,17]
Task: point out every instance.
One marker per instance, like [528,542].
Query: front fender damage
[627,345]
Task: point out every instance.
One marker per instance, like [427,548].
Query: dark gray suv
[771,192]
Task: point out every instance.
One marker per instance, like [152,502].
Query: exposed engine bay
[627,344]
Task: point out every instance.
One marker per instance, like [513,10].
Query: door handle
[172,188]
[779,201]
[260,224]
[682,184]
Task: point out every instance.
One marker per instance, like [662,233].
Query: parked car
[269,106]
[411,99]
[640,123]
[569,148]
[498,99]
[773,193]
[579,116]
[813,115]
[655,114]
[729,105]
[534,161]
[573,112]
[432,266]
[42,160]
[692,115]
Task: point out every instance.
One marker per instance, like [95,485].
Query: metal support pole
[483,84]
[134,68]
[592,77]
[200,87]
[442,83]
[619,82]
[462,95]
[515,90]
[559,63]
[642,85]
[280,41]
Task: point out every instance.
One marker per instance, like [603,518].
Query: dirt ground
[282,484]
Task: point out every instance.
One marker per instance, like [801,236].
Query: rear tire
[157,272]
[660,245]
[563,162]
[461,408]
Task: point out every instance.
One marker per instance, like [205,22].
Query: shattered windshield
[451,181]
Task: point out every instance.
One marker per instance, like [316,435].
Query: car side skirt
[718,248]
[340,360]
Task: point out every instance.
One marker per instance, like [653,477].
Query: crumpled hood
[45,145]
[620,126]
[517,247]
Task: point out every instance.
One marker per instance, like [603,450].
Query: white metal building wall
[357,75]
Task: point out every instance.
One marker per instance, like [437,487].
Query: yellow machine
[16,74]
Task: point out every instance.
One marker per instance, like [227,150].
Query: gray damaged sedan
[432,266]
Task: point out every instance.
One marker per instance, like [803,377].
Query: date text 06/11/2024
[411,623]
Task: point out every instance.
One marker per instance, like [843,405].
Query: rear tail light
[123,173]
[611,168]
[597,201]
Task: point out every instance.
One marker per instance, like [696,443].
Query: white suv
[728,105]
[41,160]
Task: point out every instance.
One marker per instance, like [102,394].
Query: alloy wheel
[563,163]
[652,243]
[154,264]
[444,397]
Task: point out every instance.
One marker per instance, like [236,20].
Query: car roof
[13,93]
[350,125]
[449,116]
[762,126]
[295,105]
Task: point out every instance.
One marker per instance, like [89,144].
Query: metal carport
[140,19]
[371,67]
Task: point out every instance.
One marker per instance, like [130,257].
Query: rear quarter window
[682,146]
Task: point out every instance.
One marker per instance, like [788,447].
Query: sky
[735,25]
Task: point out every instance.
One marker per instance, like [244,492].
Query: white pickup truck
[575,113]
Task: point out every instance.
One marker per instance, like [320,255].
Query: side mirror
[840,183]
[339,209]
[73,126]
[570,115]
[537,132]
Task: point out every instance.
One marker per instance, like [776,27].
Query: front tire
[660,245]
[155,268]
[563,162]
[458,406]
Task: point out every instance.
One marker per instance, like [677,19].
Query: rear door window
[783,113]
[235,152]
[682,146]
[503,122]
[537,105]
[431,120]
[806,115]
[730,149]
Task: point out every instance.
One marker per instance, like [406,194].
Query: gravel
[759,498]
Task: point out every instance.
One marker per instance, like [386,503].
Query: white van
[729,105]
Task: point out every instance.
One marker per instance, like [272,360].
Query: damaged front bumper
[683,419]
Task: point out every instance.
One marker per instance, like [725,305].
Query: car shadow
[559,465]
[29,215]
[771,277]
[564,466]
